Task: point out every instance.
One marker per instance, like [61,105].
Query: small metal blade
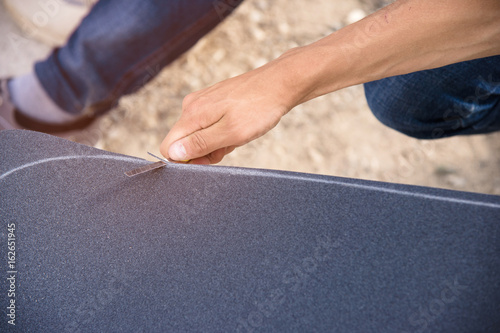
[161,159]
[168,159]
[145,168]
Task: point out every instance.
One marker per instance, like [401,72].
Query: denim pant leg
[462,98]
[121,45]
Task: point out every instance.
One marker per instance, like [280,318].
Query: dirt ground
[333,135]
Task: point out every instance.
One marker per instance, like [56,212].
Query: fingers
[229,114]
[198,144]
[189,123]
[194,145]
[189,139]
[208,141]
[205,132]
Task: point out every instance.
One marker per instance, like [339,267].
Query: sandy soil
[334,135]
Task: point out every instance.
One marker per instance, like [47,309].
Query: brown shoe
[83,130]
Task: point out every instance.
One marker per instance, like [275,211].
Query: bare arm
[404,37]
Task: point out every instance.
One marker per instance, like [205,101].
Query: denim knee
[390,107]
[458,99]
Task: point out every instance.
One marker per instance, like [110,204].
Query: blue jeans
[120,46]
[462,98]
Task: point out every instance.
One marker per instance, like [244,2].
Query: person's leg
[120,46]
[31,99]
[462,98]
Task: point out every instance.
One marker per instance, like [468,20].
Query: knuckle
[188,99]
[198,143]
[189,103]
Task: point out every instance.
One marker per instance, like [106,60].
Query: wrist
[311,71]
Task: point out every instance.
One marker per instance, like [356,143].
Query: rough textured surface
[334,135]
[204,249]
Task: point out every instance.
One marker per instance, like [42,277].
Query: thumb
[177,152]
[197,144]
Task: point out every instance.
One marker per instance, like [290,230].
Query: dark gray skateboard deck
[184,248]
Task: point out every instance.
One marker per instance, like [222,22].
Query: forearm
[407,36]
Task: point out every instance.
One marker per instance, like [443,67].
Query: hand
[231,113]
[398,39]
